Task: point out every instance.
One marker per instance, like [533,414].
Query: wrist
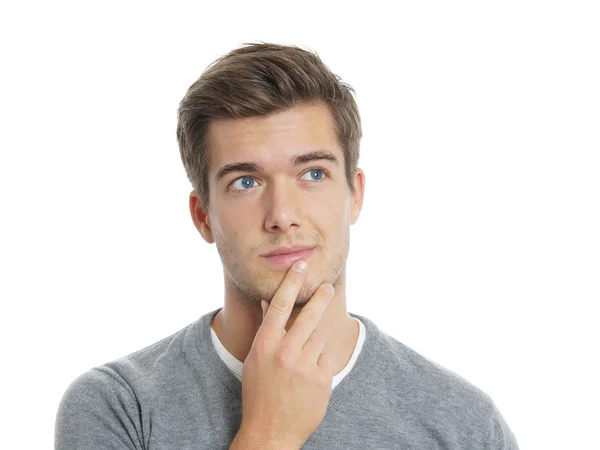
[250,440]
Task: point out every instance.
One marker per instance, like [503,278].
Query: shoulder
[104,405]
[125,376]
[432,377]
[424,376]
[97,409]
[164,355]
[435,394]
[439,390]
[116,381]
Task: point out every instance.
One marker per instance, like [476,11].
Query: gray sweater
[179,394]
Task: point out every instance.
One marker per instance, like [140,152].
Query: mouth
[287,259]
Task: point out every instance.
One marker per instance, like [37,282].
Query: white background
[478,244]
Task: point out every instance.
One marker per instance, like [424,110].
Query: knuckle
[279,305]
[283,357]
[309,319]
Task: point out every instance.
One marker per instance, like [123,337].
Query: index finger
[278,312]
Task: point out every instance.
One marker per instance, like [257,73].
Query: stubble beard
[252,290]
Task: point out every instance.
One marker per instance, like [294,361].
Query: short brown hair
[257,80]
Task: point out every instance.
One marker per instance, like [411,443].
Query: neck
[239,320]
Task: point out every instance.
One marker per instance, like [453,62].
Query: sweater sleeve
[99,410]
[500,436]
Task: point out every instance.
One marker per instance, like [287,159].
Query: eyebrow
[297,160]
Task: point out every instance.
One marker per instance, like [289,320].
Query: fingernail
[301,266]
[329,289]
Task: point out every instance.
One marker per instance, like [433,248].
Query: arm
[98,411]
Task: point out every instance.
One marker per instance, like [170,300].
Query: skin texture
[252,213]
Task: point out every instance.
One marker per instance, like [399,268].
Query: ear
[200,218]
[358,196]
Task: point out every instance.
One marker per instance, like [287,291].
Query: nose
[283,208]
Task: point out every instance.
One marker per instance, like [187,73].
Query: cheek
[337,213]
[233,229]
[331,221]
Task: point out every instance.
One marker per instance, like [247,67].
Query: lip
[286,256]
[288,250]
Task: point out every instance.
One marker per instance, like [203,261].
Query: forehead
[272,140]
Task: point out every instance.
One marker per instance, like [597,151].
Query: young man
[270,141]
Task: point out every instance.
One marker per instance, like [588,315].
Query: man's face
[291,202]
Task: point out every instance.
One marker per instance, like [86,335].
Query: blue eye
[246,182]
[317,172]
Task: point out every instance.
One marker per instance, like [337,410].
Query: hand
[286,380]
